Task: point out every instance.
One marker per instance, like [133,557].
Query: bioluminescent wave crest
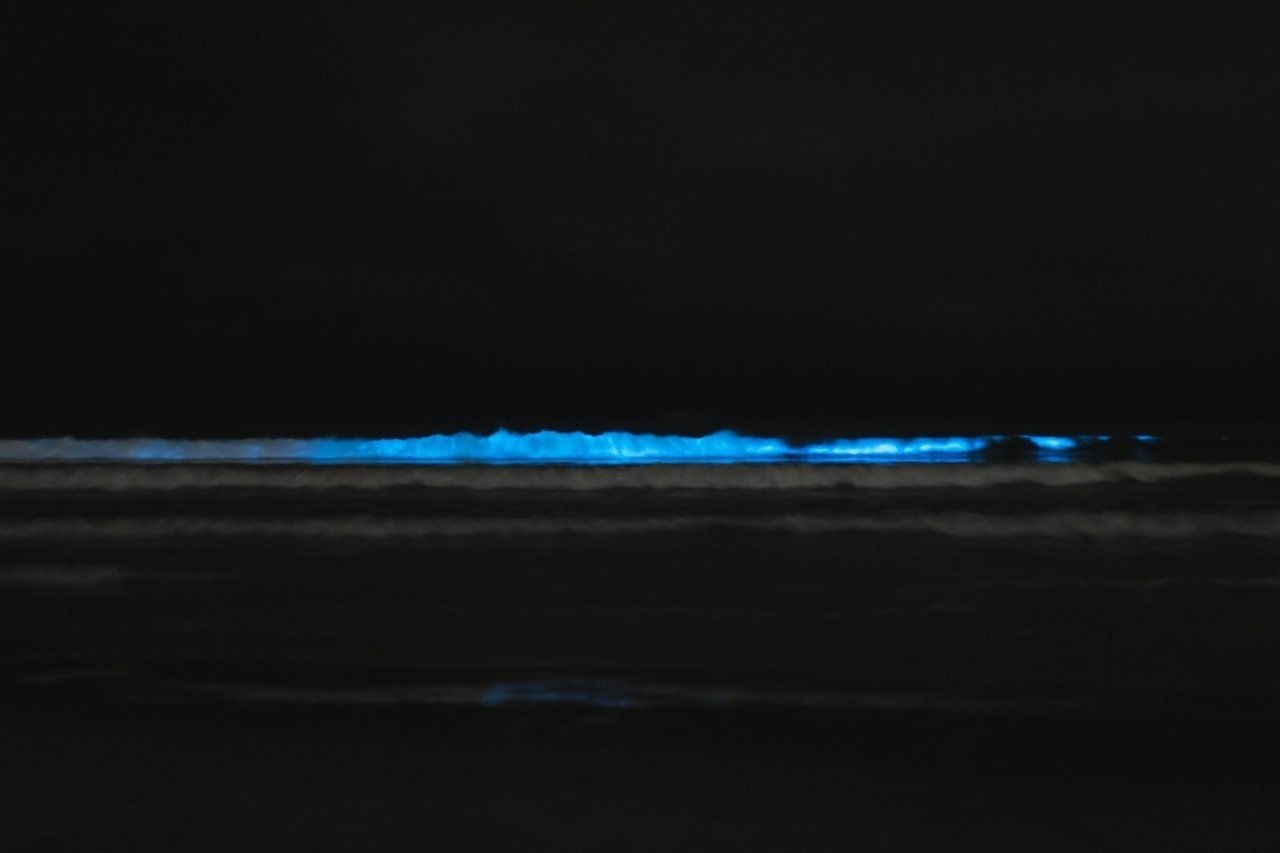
[890,448]
[546,447]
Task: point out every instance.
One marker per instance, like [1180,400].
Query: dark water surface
[957,657]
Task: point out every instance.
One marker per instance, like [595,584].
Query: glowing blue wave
[890,448]
[548,447]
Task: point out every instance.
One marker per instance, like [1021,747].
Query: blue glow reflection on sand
[596,694]
[549,447]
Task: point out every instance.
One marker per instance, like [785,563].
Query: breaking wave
[546,446]
[957,524]
[126,478]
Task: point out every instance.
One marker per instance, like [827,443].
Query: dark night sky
[417,216]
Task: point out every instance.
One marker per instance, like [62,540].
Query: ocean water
[964,600]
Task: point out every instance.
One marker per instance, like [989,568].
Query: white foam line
[45,575]
[957,524]
[144,477]
[60,576]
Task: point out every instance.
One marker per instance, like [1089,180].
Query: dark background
[400,218]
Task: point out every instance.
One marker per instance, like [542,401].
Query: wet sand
[93,777]
[1084,688]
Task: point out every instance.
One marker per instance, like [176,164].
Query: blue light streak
[1053,442]
[545,447]
[889,448]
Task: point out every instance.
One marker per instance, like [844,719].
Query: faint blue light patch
[597,694]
